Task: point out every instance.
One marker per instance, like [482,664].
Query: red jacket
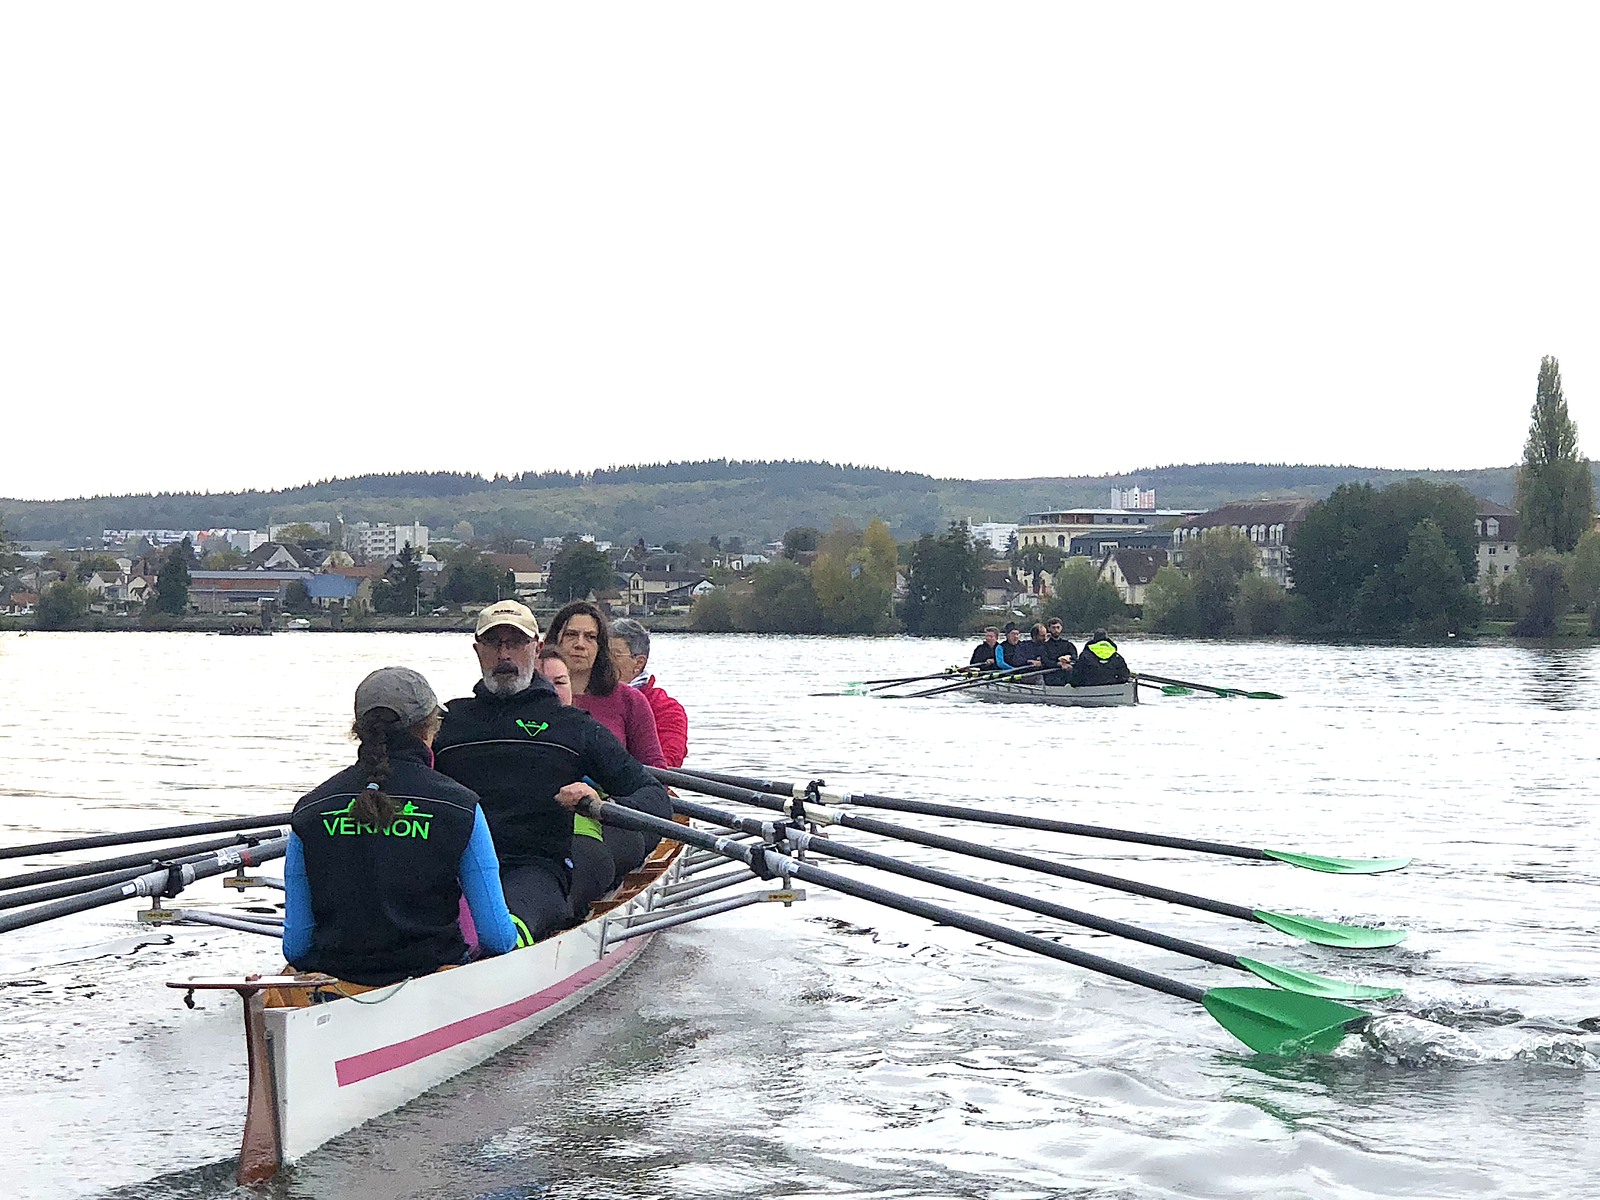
[672,723]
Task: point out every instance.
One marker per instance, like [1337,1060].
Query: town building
[649,590]
[225,591]
[1098,545]
[1059,526]
[384,541]
[1130,572]
[1496,527]
[1270,524]
[996,535]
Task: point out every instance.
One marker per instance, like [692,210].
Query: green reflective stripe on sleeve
[524,938]
[586,827]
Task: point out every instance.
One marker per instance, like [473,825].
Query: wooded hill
[680,501]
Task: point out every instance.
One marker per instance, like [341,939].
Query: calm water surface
[838,1050]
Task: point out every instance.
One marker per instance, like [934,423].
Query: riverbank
[223,623]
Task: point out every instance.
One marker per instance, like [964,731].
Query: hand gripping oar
[152,883]
[1289,978]
[1312,862]
[230,825]
[1267,1020]
[1206,687]
[1323,933]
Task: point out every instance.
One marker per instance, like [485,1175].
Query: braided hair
[374,729]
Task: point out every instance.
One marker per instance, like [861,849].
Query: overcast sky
[256,245]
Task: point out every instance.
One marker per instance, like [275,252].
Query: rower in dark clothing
[1057,648]
[984,655]
[526,755]
[1013,651]
[382,854]
[1100,663]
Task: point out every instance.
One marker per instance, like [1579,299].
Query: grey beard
[507,685]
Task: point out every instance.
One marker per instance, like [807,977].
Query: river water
[836,1049]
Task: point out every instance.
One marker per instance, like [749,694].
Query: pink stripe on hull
[402,1054]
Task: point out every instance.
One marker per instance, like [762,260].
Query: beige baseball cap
[507,612]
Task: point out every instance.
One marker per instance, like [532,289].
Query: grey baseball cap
[398,688]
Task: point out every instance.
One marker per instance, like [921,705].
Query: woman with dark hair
[583,635]
[381,855]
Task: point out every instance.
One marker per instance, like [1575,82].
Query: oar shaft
[959,883]
[961,813]
[230,825]
[958,846]
[746,853]
[986,678]
[1201,687]
[149,884]
[142,860]
[88,883]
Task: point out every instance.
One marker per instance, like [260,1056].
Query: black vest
[516,752]
[386,902]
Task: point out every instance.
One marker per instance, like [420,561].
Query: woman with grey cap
[381,854]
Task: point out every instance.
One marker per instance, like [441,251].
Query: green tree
[782,601]
[64,605]
[580,568]
[88,565]
[172,581]
[1037,561]
[946,583]
[1430,574]
[300,533]
[1539,596]
[225,559]
[1583,570]
[296,598]
[473,577]
[1169,605]
[713,612]
[1346,555]
[853,577]
[1216,563]
[1259,605]
[398,593]
[1081,598]
[798,540]
[1555,494]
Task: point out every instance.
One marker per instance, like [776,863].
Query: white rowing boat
[1004,691]
[318,1070]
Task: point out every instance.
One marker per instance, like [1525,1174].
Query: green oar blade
[1328,933]
[1307,983]
[1174,689]
[1274,1022]
[1259,695]
[1339,866]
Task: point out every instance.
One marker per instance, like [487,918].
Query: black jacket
[983,656]
[518,751]
[1054,650]
[1018,655]
[385,904]
[1098,665]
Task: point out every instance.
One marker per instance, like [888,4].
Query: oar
[986,678]
[143,859]
[1289,978]
[93,841]
[151,883]
[1267,1020]
[92,881]
[865,687]
[1313,862]
[1323,933]
[1206,687]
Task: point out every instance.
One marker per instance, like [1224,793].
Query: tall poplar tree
[1555,495]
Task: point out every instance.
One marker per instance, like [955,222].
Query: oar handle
[93,841]
[773,862]
[986,678]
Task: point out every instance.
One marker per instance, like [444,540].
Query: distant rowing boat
[318,1070]
[1003,691]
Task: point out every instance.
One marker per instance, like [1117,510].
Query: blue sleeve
[479,872]
[298,923]
[1000,657]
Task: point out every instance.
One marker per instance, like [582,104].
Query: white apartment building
[384,541]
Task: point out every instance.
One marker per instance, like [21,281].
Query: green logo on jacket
[408,822]
[533,728]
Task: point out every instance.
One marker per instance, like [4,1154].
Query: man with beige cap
[526,755]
